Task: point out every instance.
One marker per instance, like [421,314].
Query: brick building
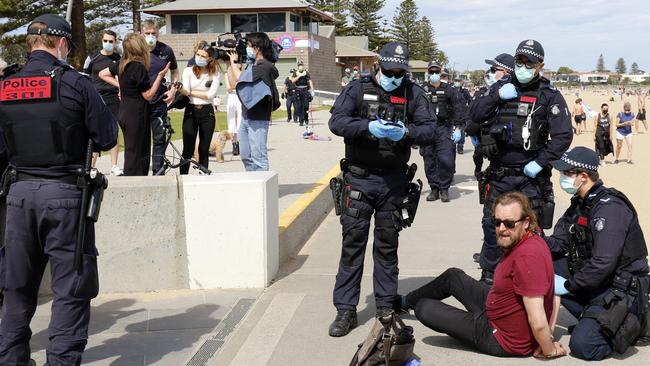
[292,23]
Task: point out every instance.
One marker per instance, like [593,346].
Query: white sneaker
[115,170]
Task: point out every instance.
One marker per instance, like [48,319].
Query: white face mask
[151,40]
[62,57]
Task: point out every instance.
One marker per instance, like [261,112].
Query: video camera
[223,48]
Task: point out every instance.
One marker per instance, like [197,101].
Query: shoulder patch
[555,109]
[599,223]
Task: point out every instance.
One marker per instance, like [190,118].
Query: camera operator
[200,83]
[257,105]
[304,92]
[92,66]
[161,54]
[137,91]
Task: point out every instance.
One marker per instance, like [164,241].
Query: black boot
[487,277]
[434,195]
[444,195]
[384,312]
[235,148]
[345,321]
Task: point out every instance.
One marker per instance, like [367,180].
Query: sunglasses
[528,65]
[393,74]
[108,41]
[510,224]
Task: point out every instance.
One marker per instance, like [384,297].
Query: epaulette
[10,70]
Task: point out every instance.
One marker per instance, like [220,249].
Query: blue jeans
[252,137]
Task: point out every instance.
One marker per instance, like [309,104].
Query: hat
[504,61]
[434,64]
[531,49]
[56,26]
[394,56]
[445,72]
[578,157]
[300,63]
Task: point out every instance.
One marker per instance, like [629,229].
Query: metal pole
[68,14]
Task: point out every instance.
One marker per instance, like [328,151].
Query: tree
[600,65]
[565,70]
[366,21]
[634,69]
[425,48]
[339,10]
[405,25]
[477,77]
[620,68]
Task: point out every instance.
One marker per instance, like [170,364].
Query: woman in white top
[200,83]
[233,111]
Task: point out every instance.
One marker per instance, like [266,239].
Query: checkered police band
[51,32]
[578,164]
[503,66]
[525,51]
[397,60]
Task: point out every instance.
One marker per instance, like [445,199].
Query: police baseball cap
[434,64]
[504,61]
[532,49]
[394,55]
[579,157]
[56,26]
[445,72]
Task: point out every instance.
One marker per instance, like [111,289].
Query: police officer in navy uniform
[458,85]
[451,112]
[530,127]
[600,256]
[379,116]
[304,92]
[290,94]
[48,113]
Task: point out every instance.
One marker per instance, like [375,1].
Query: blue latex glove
[456,136]
[559,286]
[475,140]
[507,91]
[397,133]
[377,129]
[532,169]
[313,94]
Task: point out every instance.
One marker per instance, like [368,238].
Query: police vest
[37,129]
[518,125]
[581,238]
[441,99]
[302,81]
[379,153]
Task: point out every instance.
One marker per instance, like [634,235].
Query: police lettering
[26,88]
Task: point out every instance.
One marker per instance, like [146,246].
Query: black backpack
[390,343]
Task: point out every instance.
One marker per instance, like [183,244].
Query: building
[353,51]
[636,78]
[595,78]
[566,78]
[292,23]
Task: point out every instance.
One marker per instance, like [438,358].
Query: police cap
[56,26]
[394,55]
[445,72]
[434,64]
[504,61]
[532,49]
[579,157]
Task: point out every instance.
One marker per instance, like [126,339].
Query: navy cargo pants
[440,158]
[534,188]
[380,193]
[41,227]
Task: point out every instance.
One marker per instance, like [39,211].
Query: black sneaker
[476,257]
[235,148]
[487,277]
[345,321]
[434,195]
[444,195]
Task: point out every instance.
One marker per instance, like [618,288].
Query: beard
[508,240]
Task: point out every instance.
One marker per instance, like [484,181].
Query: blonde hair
[135,49]
[36,40]
[526,209]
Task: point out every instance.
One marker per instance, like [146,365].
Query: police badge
[599,223]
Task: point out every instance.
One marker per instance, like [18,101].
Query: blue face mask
[250,53]
[490,79]
[523,74]
[568,184]
[389,84]
[457,85]
[434,78]
[108,47]
[200,61]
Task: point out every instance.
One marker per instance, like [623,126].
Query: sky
[573,33]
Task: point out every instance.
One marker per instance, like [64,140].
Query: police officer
[47,114]
[304,92]
[451,112]
[500,67]
[458,85]
[379,116]
[290,94]
[600,257]
[525,111]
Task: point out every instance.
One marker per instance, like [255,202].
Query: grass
[222,123]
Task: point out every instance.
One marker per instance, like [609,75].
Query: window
[294,23]
[306,23]
[212,23]
[313,27]
[184,24]
[272,22]
[243,23]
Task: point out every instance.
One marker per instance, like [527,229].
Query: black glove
[489,146]
[283,96]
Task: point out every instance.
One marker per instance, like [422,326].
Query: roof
[354,41]
[229,6]
[418,64]
[326,30]
[353,46]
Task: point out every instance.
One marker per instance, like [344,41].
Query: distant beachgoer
[579,115]
[641,115]
[602,135]
[624,121]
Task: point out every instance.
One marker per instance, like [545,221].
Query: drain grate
[221,332]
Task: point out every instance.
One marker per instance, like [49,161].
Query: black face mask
[605,111]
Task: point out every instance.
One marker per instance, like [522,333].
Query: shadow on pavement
[152,339]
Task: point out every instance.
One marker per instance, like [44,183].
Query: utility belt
[619,323]
[23,177]
[291,92]
[403,212]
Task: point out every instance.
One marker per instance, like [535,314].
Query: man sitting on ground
[514,317]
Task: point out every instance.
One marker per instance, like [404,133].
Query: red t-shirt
[525,270]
